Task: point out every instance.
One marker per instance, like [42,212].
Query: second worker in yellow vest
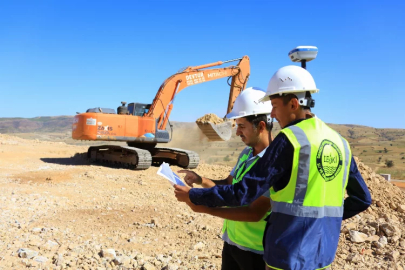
[243,226]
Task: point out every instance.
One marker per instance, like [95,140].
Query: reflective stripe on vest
[241,165]
[292,200]
[348,158]
[245,235]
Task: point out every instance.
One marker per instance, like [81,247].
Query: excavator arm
[163,102]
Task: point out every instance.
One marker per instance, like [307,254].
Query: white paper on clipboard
[165,171]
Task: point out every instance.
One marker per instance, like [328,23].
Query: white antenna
[303,54]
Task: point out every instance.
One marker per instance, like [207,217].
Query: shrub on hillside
[389,163]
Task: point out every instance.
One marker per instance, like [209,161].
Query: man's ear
[294,104]
[262,126]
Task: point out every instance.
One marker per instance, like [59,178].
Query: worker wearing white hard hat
[247,104]
[307,168]
[243,227]
[291,80]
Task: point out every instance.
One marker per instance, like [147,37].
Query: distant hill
[42,124]
[374,146]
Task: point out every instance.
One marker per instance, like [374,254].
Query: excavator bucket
[214,128]
[216,132]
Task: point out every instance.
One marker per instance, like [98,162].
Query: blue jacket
[316,249]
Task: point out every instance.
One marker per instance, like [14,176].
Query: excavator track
[175,156]
[131,157]
[140,159]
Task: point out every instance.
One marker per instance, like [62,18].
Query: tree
[385,150]
[389,163]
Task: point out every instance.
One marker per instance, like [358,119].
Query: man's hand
[191,178]
[181,193]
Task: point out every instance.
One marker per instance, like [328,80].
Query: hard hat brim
[233,115]
[263,99]
[267,98]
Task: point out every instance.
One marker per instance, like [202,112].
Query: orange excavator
[142,126]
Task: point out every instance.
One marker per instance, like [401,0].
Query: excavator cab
[138,109]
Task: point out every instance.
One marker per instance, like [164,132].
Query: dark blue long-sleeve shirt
[281,250]
[274,170]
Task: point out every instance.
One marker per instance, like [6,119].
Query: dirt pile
[209,118]
[375,238]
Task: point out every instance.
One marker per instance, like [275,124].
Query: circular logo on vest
[329,160]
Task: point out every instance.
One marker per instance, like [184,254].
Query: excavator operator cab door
[138,109]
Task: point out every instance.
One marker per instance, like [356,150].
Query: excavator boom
[162,104]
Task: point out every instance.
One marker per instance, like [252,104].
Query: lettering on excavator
[104,132]
[105,128]
[195,78]
[91,121]
[215,74]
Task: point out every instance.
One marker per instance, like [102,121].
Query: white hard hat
[247,104]
[291,80]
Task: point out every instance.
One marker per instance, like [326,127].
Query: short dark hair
[256,119]
[287,98]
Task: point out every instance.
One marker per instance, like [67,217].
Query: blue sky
[62,57]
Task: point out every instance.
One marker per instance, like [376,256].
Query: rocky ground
[375,239]
[59,212]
